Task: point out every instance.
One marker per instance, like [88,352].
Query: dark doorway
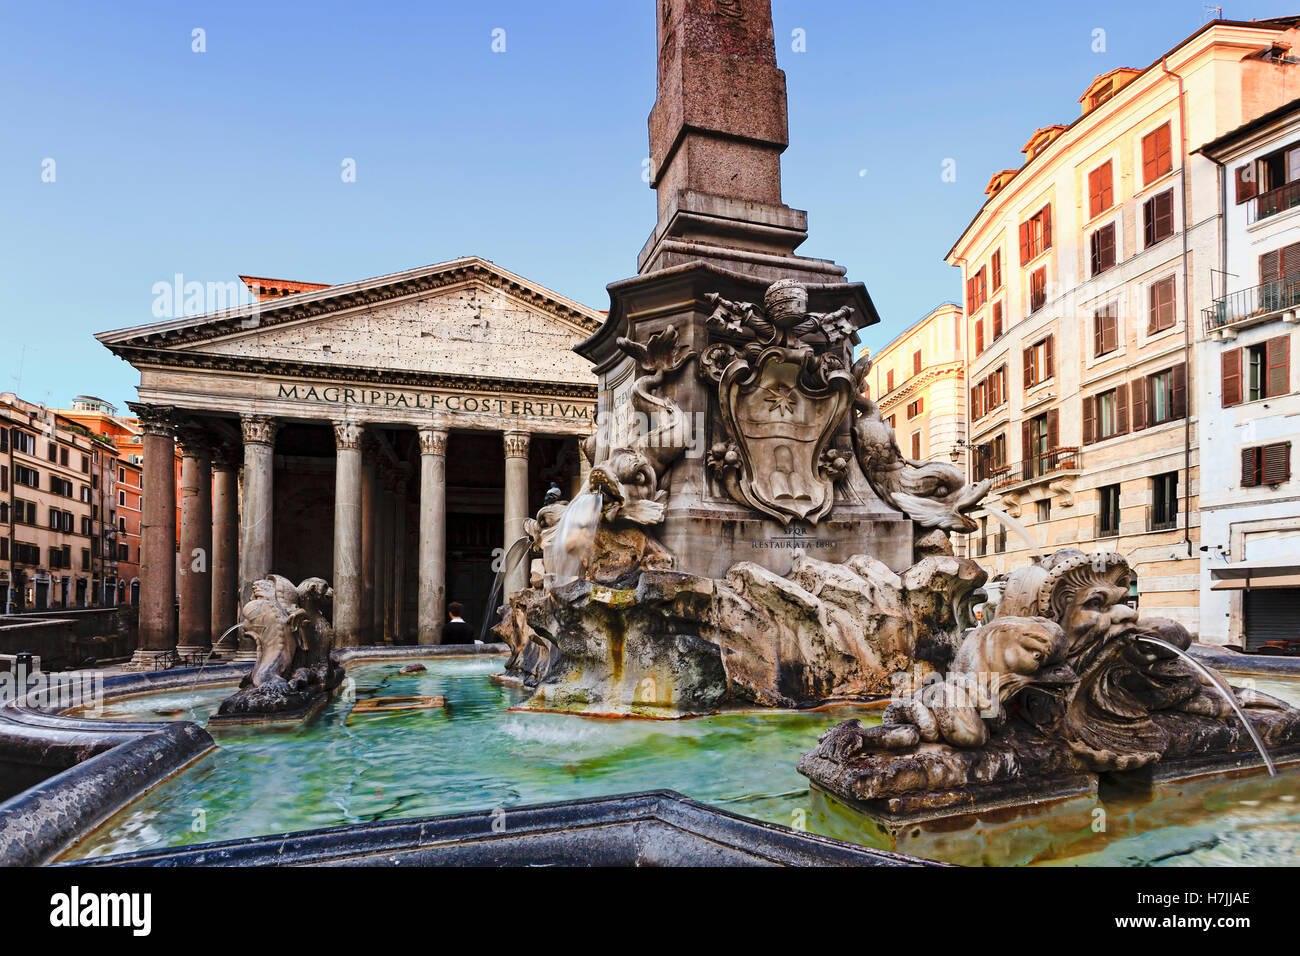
[476,479]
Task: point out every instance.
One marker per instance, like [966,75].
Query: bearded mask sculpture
[1098,696]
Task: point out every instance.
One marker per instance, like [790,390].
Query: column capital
[195,442]
[516,443]
[433,440]
[225,456]
[258,429]
[348,435]
[159,420]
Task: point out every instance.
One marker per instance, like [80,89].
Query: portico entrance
[389,436]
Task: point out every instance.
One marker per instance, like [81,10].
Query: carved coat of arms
[782,400]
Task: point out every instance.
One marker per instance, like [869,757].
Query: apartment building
[1250,394]
[124,431]
[918,381]
[1084,272]
[56,484]
[102,419]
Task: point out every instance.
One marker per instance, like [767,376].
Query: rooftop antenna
[18,379]
[1212,13]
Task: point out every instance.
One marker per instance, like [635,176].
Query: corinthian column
[367,633]
[383,552]
[516,506]
[433,534]
[258,512]
[399,558]
[157,623]
[195,565]
[225,547]
[347,534]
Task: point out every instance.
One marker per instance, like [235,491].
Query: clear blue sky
[228,161]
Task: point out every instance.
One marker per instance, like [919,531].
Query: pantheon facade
[389,435]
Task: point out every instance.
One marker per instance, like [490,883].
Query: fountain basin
[656,828]
[364,793]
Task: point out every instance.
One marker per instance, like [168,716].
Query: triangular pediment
[465,318]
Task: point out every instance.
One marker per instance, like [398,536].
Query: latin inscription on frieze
[460,403]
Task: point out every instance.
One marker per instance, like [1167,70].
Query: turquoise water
[477,755]
[474,756]
[161,706]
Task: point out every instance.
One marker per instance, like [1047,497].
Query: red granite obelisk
[717,132]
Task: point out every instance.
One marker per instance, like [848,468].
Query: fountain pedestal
[705,529]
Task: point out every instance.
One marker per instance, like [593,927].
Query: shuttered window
[1230,384]
[1109,415]
[1036,234]
[1160,314]
[1102,248]
[997,320]
[976,291]
[1277,357]
[995,270]
[1145,402]
[1038,289]
[1247,183]
[1157,156]
[989,393]
[1039,361]
[1101,193]
[979,336]
[1256,372]
[1281,263]
[1105,336]
[1137,393]
[917,363]
[1266,464]
[1158,217]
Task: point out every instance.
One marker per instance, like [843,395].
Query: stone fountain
[294,673]
[750,533]
[826,591]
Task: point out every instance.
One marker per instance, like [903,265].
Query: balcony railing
[1038,467]
[1106,526]
[1162,519]
[1273,202]
[1252,304]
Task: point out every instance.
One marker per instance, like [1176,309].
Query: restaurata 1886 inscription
[474,404]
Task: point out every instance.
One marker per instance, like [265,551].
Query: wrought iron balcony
[1041,467]
[1250,306]
[1273,202]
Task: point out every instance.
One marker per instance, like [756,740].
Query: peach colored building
[918,380]
[1084,272]
[57,520]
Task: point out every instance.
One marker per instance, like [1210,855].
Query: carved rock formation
[672,643]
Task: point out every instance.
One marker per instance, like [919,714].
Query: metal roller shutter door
[1272,614]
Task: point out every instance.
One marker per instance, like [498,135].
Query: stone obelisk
[717,132]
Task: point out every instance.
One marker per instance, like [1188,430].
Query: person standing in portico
[456,630]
